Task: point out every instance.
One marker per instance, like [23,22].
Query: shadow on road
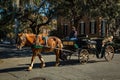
[13,69]
[24,67]
[10,51]
[14,54]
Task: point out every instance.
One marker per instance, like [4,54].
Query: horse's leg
[32,61]
[42,61]
[57,57]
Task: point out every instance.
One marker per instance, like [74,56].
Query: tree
[32,14]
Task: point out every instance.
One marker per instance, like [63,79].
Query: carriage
[85,46]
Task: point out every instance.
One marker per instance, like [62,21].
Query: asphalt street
[14,64]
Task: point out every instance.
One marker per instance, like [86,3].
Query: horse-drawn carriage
[86,46]
[62,49]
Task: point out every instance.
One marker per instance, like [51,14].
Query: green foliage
[70,9]
[37,2]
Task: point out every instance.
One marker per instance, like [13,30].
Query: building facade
[92,28]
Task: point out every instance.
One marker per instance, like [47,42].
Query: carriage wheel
[109,53]
[83,56]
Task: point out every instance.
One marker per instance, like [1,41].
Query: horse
[37,44]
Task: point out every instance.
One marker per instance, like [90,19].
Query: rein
[43,46]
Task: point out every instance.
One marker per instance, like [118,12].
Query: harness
[36,46]
[37,43]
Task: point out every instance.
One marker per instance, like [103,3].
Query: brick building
[91,27]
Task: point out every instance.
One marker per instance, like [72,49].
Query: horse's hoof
[43,65]
[57,64]
[30,68]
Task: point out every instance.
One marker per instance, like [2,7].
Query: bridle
[21,40]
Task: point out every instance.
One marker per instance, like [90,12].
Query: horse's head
[21,40]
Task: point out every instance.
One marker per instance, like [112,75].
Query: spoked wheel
[109,53]
[83,56]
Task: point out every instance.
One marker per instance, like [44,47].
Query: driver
[73,34]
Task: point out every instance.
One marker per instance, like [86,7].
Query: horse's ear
[20,34]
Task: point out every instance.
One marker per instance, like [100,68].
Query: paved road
[14,64]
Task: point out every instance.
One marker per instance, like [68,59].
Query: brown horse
[38,45]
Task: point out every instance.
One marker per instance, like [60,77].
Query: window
[92,27]
[103,28]
[82,27]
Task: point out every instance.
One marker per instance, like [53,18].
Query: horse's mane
[30,37]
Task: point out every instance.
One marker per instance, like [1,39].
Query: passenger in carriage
[73,34]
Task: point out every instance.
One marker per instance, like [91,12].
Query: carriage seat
[92,44]
[68,42]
